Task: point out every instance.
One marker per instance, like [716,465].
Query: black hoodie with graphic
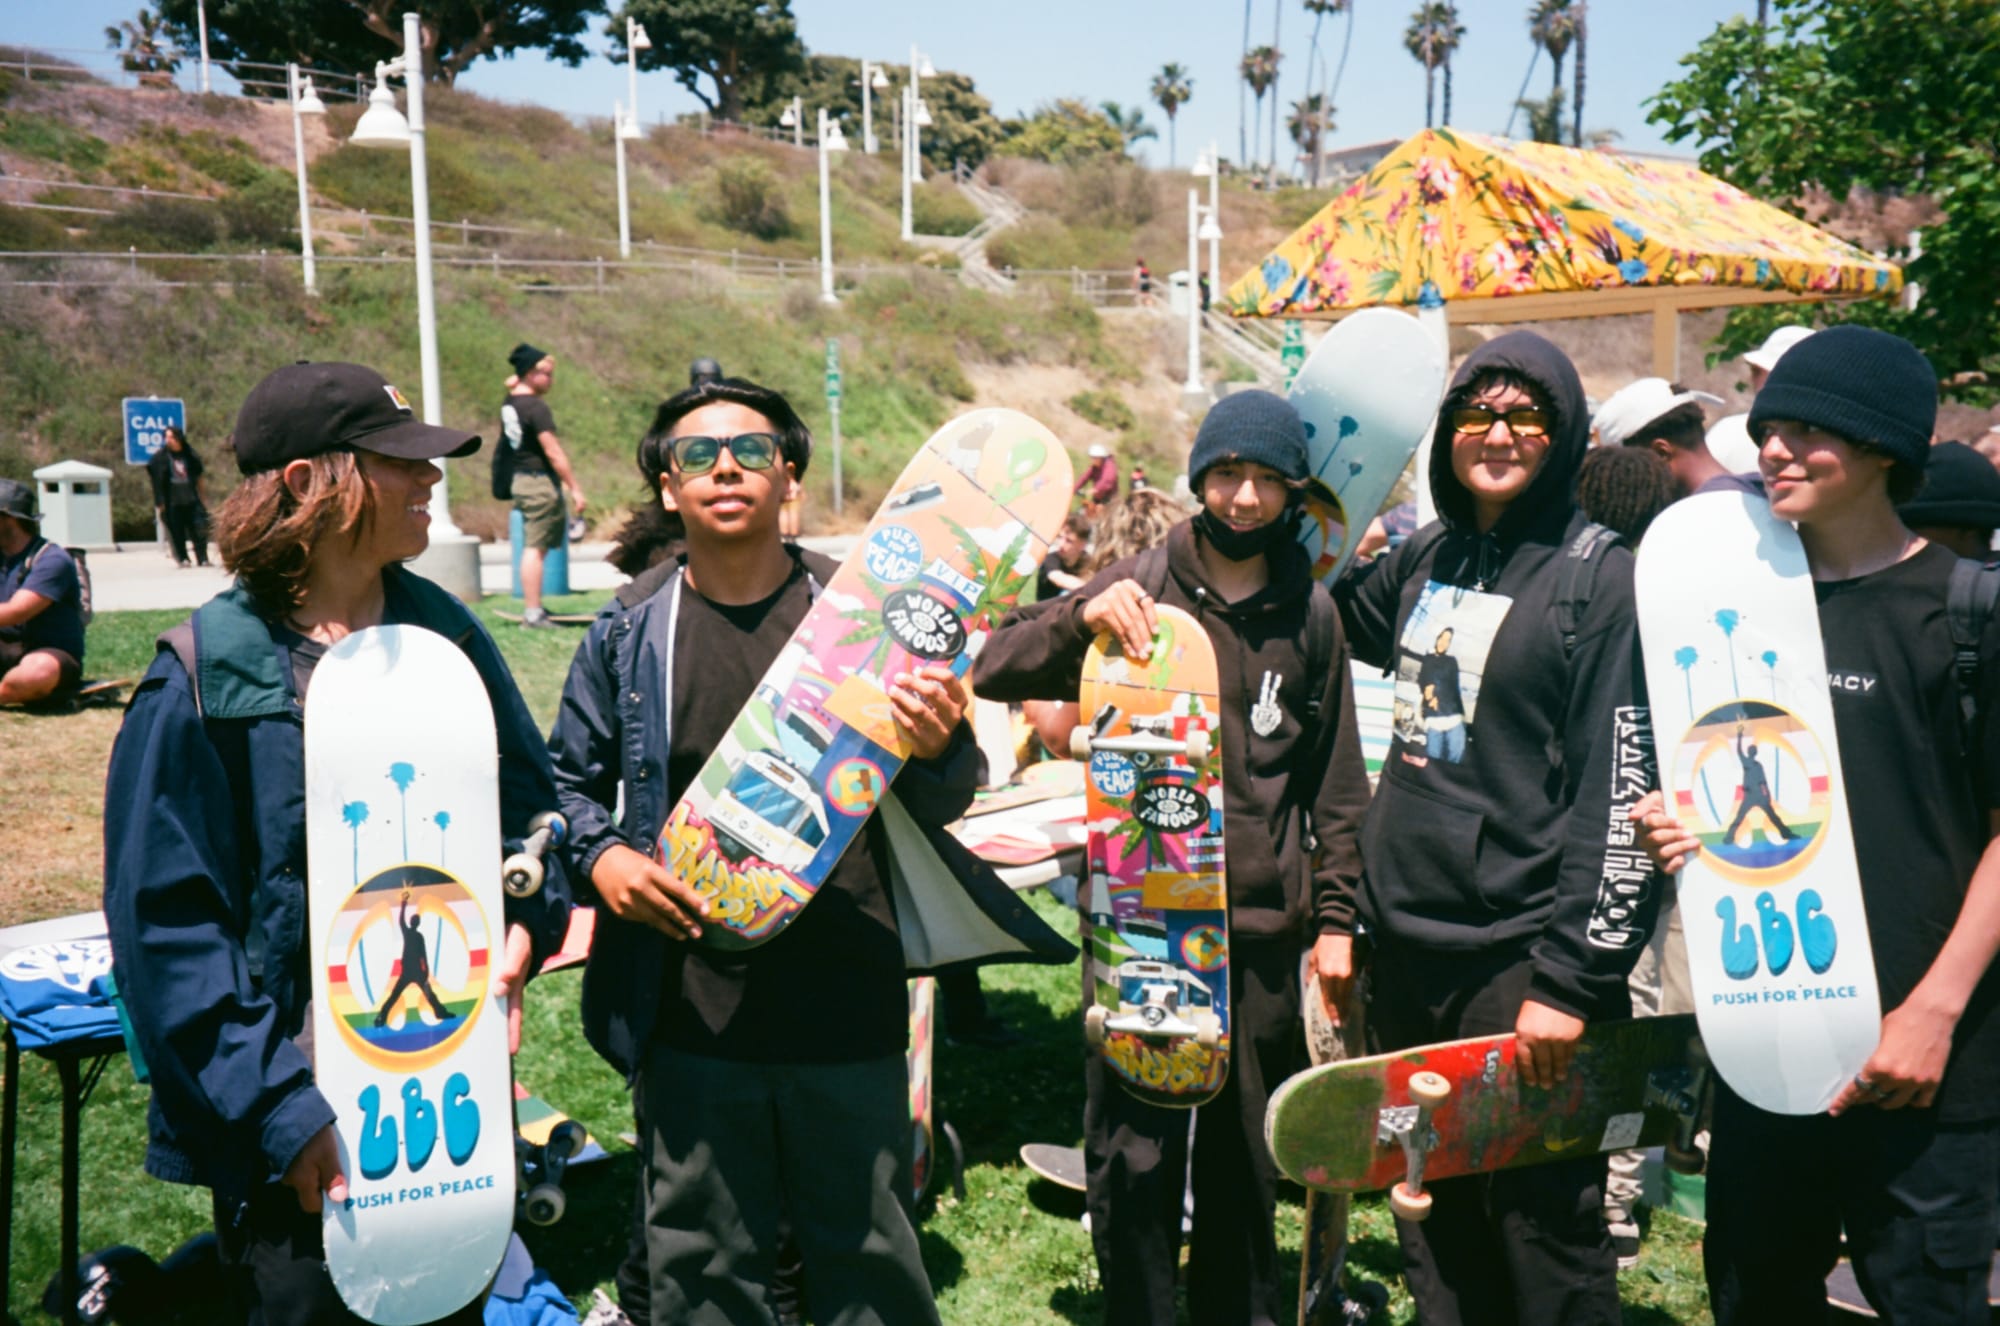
[1305,774]
[1520,842]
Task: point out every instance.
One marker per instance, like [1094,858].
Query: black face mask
[1240,545]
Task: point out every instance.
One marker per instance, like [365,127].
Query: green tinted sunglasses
[697,455]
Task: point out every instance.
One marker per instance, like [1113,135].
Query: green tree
[1830,111]
[1260,71]
[1430,39]
[963,126]
[733,44]
[1545,117]
[1582,12]
[1131,124]
[1064,130]
[142,43]
[1309,122]
[1553,24]
[1172,88]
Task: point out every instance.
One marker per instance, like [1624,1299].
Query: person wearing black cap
[1959,505]
[41,605]
[1294,792]
[1499,886]
[1907,1159]
[541,470]
[204,834]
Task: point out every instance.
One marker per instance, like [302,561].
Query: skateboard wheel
[1407,1205]
[1079,743]
[1208,1033]
[521,876]
[543,1204]
[1689,1161]
[1428,1090]
[1197,745]
[553,821]
[1093,1023]
[567,1139]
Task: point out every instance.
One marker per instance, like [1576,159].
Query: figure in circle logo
[1751,781]
[408,963]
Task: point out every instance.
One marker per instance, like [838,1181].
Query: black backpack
[503,458]
[1968,605]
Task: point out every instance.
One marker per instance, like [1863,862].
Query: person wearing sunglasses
[1494,884]
[770,1084]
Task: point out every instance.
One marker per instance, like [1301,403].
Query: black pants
[1136,1166]
[188,525]
[1522,1246]
[1917,1199]
[274,1264]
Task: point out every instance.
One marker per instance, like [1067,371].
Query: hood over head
[1548,497]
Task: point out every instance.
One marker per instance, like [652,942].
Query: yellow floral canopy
[1470,217]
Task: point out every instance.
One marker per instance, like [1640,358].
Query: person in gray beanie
[1843,425]
[1292,777]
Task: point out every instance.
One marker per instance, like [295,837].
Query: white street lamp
[794,119]
[201,21]
[830,140]
[1212,232]
[1193,390]
[636,40]
[872,80]
[625,125]
[453,557]
[914,117]
[305,102]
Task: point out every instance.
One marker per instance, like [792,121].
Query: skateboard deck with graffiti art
[1156,899]
[1777,939]
[409,1026]
[1367,396]
[809,758]
[1441,1111]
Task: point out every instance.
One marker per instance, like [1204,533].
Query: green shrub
[228,161]
[52,140]
[162,225]
[264,213]
[23,230]
[1103,409]
[748,198]
[938,208]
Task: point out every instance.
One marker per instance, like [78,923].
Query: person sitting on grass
[41,606]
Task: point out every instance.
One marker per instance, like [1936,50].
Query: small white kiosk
[76,504]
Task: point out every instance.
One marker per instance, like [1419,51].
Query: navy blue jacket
[612,728]
[205,885]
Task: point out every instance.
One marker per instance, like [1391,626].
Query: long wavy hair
[267,535]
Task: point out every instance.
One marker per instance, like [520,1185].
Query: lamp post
[453,557]
[201,22]
[914,115]
[625,124]
[1213,231]
[1193,390]
[305,102]
[830,140]
[794,119]
[872,80]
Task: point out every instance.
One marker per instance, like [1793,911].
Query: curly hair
[266,534]
[1132,524]
[1625,488]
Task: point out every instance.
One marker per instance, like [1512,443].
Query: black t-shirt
[830,988]
[1919,825]
[1045,588]
[1437,680]
[523,420]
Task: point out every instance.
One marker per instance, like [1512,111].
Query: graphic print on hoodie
[1513,836]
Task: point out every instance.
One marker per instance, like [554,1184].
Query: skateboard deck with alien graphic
[409,1026]
[1777,939]
[810,757]
[1155,896]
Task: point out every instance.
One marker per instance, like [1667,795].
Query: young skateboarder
[1294,783]
[1493,899]
[542,471]
[204,827]
[1907,1160]
[770,1082]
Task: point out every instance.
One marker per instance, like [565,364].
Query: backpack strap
[1579,578]
[1969,599]
[1321,616]
[1151,572]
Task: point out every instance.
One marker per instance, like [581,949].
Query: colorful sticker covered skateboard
[1367,396]
[1777,939]
[1156,899]
[1349,1126]
[409,1026]
[923,1030]
[953,547]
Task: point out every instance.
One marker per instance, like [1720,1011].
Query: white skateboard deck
[1777,940]
[1368,395]
[409,1032]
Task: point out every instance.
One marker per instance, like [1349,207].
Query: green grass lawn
[1011,1254]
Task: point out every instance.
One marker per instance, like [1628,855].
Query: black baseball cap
[308,409]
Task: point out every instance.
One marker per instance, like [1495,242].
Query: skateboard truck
[521,873]
[542,1167]
[1410,1127]
[1152,734]
[1686,1100]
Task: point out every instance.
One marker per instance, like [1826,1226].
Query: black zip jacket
[1301,785]
[1523,843]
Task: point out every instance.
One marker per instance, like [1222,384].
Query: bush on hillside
[162,225]
[23,230]
[749,198]
[264,213]
[1103,409]
[1108,192]
[938,208]
[50,139]
[228,161]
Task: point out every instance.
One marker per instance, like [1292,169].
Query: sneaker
[1627,1248]
[537,619]
[603,1312]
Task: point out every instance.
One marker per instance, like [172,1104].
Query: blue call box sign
[147,419]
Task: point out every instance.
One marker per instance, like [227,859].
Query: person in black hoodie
[1500,883]
[1293,782]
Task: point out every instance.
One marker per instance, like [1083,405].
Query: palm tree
[1173,86]
[1242,143]
[1553,24]
[1582,34]
[1685,658]
[1347,40]
[356,815]
[1545,117]
[1277,47]
[443,820]
[1309,122]
[1425,40]
[1450,32]
[402,775]
[142,43]
[1727,619]
[1130,124]
[1260,71]
[1521,101]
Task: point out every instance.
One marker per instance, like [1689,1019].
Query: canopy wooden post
[1667,342]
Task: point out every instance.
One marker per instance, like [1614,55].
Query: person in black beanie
[542,473]
[1906,1160]
[1293,778]
[1959,507]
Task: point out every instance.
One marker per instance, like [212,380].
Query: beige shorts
[540,502]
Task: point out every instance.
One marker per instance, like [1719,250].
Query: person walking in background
[1099,483]
[539,464]
[178,499]
[1142,284]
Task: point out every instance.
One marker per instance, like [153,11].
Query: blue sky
[1027,51]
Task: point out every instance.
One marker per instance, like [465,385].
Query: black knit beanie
[1857,383]
[1250,425]
[524,357]
[1961,490]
